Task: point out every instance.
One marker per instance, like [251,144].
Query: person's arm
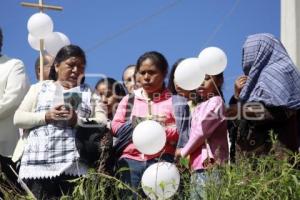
[234,103]
[204,127]
[24,116]
[119,118]
[239,85]
[16,88]
[99,113]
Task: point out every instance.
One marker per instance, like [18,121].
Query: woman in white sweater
[50,155]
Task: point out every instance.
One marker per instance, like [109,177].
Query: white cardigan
[26,118]
[13,86]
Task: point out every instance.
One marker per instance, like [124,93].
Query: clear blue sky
[115,33]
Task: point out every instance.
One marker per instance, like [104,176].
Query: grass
[274,176]
[264,177]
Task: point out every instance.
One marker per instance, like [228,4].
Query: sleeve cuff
[42,118]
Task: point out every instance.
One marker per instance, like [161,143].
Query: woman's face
[70,71]
[108,98]
[128,78]
[150,76]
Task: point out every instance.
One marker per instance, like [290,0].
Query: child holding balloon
[207,145]
[153,100]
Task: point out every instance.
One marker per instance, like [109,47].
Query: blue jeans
[199,180]
[133,172]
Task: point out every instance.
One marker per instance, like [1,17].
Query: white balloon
[213,60]
[160,180]
[34,42]
[64,38]
[189,74]
[55,41]
[40,25]
[149,137]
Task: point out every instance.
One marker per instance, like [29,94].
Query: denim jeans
[133,172]
[199,179]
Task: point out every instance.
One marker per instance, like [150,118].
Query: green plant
[9,191]
[272,176]
[100,186]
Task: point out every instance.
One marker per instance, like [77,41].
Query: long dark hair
[171,85]
[220,77]
[63,54]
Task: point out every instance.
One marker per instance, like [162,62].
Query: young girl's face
[208,88]
[107,96]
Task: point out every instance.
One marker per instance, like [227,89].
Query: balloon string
[216,87]
[155,192]
[41,59]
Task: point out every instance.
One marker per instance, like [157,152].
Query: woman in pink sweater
[152,68]
[207,145]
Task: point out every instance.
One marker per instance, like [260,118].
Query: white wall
[290,28]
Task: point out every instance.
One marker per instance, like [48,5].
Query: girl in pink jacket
[207,145]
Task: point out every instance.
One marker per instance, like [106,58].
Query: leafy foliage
[273,176]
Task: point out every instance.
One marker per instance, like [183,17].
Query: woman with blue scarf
[267,96]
